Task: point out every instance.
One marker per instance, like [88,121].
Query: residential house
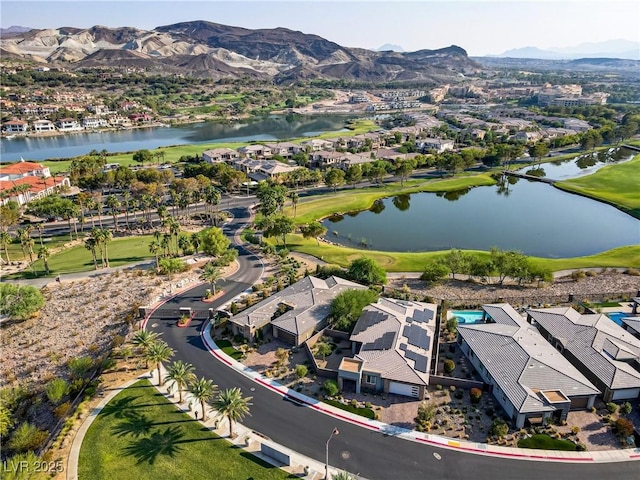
[40,126]
[605,353]
[94,122]
[261,169]
[218,155]
[255,151]
[527,137]
[294,313]
[434,145]
[391,345]
[576,124]
[68,125]
[15,126]
[355,159]
[317,144]
[27,181]
[528,377]
[284,149]
[325,159]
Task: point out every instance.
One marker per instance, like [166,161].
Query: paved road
[374,455]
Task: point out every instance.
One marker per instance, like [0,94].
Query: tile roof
[396,337]
[17,168]
[521,362]
[309,300]
[595,341]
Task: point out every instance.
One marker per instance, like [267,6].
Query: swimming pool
[618,316]
[468,316]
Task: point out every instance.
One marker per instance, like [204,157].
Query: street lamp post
[326,465]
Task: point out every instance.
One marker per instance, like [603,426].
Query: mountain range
[623,49]
[207,49]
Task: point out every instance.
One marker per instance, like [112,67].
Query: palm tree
[231,404]
[105,236]
[184,242]
[143,340]
[157,353]
[44,254]
[90,243]
[21,236]
[126,198]
[6,239]
[195,241]
[212,198]
[294,202]
[182,374]
[114,204]
[343,476]
[154,247]
[202,390]
[211,274]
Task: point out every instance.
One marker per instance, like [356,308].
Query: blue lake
[275,127]
[531,217]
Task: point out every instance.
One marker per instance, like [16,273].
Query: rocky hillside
[207,49]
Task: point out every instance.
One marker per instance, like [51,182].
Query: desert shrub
[62,409]
[80,366]
[612,407]
[475,394]
[575,430]
[56,389]
[623,427]
[434,272]
[578,275]
[625,408]
[27,437]
[330,387]
[499,427]
[426,414]
[301,371]
[449,366]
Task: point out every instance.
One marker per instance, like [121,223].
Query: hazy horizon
[481,27]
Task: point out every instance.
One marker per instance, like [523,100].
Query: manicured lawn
[357,199]
[626,257]
[545,442]
[122,251]
[363,412]
[141,435]
[15,251]
[618,185]
[226,347]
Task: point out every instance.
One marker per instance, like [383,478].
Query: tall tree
[5,240]
[231,404]
[90,243]
[143,339]
[182,374]
[353,175]
[280,226]
[159,352]
[334,178]
[211,273]
[203,390]
[142,156]
[294,202]
[114,205]
[44,254]
[313,230]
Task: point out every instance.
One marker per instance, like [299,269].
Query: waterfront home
[434,145]
[528,378]
[40,126]
[607,354]
[219,155]
[27,181]
[68,125]
[15,126]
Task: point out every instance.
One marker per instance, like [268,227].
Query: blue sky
[479,26]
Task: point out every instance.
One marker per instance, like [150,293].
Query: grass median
[141,435]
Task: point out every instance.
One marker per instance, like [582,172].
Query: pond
[580,166]
[531,217]
[271,128]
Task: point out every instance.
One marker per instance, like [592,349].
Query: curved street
[362,451]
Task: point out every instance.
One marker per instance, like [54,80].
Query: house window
[370,379]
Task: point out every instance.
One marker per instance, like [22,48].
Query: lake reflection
[534,218]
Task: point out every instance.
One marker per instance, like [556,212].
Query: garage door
[626,394]
[579,403]
[404,389]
